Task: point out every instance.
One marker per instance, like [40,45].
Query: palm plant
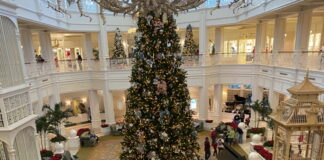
[53,118]
[256,107]
[56,116]
[42,125]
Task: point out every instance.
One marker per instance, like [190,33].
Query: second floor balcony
[305,60]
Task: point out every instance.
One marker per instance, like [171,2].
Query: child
[220,145]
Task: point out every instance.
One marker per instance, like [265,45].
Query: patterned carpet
[109,148]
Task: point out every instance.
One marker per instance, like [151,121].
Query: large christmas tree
[119,51]
[158,121]
[190,47]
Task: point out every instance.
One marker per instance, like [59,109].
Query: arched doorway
[25,145]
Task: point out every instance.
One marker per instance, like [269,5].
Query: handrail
[312,60]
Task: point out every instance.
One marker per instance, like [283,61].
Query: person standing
[239,135]
[207,148]
[79,58]
[300,142]
[213,138]
[231,136]
[242,116]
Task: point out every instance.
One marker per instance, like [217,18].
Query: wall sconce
[285,34]
[68,102]
[84,100]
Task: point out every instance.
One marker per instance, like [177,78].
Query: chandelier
[134,7]
[131,7]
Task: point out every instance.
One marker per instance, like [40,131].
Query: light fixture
[285,34]
[84,100]
[68,102]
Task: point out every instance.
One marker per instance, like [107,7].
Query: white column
[322,36]
[27,43]
[109,107]
[302,35]
[203,38]
[87,46]
[273,99]
[218,103]
[278,38]
[95,112]
[260,41]
[257,94]
[12,153]
[88,54]
[37,144]
[55,97]
[103,41]
[203,102]
[46,46]
[40,103]
[219,32]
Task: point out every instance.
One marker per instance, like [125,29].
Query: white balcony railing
[309,60]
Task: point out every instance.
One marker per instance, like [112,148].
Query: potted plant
[105,129]
[46,154]
[268,145]
[42,125]
[52,122]
[254,131]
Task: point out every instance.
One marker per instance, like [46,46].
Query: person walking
[79,58]
[213,138]
[231,136]
[239,135]
[207,148]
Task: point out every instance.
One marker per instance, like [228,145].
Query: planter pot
[59,148]
[105,131]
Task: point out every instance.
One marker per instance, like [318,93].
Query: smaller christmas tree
[190,47]
[119,51]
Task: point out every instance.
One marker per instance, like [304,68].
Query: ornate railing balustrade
[306,60]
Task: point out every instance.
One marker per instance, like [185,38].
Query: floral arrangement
[57,157]
[46,153]
[104,125]
[256,131]
[268,144]
[264,153]
[82,130]
[209,121]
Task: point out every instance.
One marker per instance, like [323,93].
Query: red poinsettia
[264,153]
[104,125]
[82,130]
[57,157]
